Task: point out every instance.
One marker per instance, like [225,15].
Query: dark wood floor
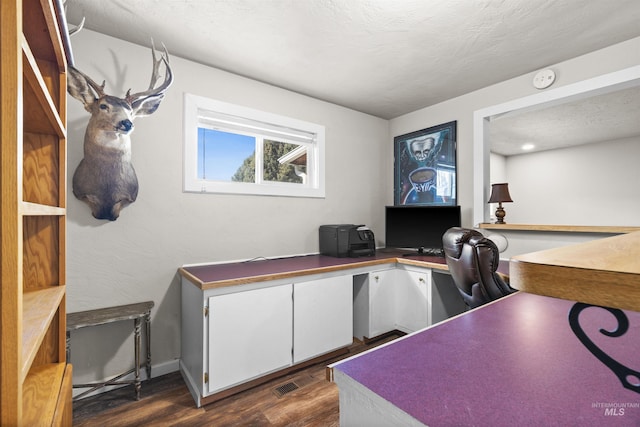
[165,401]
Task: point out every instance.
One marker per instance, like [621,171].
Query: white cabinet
[382,297]
[234,337]
[406,298]
[374,303]
[237,336]
[413,299]
[249,335]
[322,316]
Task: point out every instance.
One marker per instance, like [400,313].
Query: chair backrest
[473,260]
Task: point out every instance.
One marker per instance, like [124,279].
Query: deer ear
[79,88]
[147,106]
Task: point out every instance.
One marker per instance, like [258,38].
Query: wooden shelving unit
[35,386]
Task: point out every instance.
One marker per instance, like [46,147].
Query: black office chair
[473,260]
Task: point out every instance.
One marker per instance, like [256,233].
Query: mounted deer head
[105,178]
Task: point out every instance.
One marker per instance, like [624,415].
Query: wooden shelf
[42,115]
[42,382]
[38,310]
[609,229]
[43,32]
[36,379]
[36,209]
[43,169]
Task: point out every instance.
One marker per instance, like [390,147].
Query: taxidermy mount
[105,178]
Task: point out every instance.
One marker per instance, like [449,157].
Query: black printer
[346,240]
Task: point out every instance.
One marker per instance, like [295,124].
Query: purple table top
[250,271]
[513,362]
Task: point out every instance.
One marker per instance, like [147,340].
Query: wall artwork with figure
[425,166]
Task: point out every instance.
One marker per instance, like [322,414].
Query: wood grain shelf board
[42,30]
[38,309]
[36,209]
[603,272]
[610,229]
[42,382]
[43,117]
[64,409]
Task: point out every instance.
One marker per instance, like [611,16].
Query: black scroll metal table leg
[68,347]
[138,385]
[147,322]
[629,378]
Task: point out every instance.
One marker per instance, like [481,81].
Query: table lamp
[500,194]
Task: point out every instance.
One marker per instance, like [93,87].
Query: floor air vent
[285,388]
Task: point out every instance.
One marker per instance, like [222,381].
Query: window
[234,149]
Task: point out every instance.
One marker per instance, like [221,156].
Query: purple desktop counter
[514,362]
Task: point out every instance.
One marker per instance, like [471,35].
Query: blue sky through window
[220,154]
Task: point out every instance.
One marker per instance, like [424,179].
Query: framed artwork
[425,167]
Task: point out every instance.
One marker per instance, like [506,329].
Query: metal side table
[101,316]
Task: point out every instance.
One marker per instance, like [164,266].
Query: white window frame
[202,112]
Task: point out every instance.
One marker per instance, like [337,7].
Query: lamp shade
[500,193]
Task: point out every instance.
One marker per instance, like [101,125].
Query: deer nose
[125,125]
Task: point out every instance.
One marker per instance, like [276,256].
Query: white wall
[136,257]
[613,58]
[498,172]
[593,184]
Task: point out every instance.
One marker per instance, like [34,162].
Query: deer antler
[77,28]
[155,75]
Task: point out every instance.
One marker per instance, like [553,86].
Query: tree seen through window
[273,170]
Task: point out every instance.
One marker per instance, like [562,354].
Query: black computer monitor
[419,227]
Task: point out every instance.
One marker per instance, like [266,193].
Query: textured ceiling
[381,57]
[600,118]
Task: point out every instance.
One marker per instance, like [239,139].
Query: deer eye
[104,107]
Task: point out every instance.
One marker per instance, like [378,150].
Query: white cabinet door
[323,316]
[250,334]
[413,293]
[382,297]
[374,304]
